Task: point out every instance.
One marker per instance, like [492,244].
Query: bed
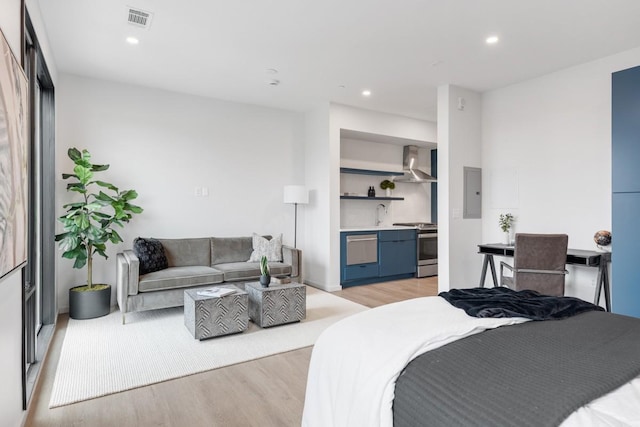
[357,363]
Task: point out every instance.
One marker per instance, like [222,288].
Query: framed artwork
[14,140]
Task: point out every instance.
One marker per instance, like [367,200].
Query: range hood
[410,167]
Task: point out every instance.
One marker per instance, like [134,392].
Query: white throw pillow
[272,249]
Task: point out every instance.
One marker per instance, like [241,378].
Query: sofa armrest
[127,272]
[293,256]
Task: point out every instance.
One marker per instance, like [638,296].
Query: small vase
[506,238]
[264,281]
[388,192]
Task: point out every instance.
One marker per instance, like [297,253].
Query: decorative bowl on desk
[602,238]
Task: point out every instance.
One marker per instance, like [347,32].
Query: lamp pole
[295,226]
[295,195]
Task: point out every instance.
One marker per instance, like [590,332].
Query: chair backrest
[540,252]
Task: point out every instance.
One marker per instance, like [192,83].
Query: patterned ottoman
[277,304]
[207,316]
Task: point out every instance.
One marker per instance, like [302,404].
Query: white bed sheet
[355,363]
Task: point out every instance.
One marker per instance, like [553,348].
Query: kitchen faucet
[378,220]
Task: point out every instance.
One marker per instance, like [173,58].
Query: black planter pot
[264,281]
[89,304]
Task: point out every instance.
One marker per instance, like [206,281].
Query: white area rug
[101,356]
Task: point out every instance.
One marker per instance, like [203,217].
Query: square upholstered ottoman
[207,316]
[277,304]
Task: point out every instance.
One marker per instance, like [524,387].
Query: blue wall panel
[625,158]
[625,254]
[625,130]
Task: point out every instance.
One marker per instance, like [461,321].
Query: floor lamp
[296,194]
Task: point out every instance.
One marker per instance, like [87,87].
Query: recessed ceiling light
[272,71]
[492,39]
[132,40]
[366,92]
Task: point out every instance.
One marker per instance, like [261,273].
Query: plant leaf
[106,184]
[99,168]
[133,208]
[84,173]
[105,197]
[74,154]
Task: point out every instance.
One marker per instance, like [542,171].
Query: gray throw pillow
[151,254]
[272,249]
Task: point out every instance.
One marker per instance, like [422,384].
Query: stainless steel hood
[410,167]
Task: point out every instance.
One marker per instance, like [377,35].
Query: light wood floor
[264,392]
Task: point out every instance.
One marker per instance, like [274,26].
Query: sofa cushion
[150,253]
[271,248]
[187,252]
[250,270]
[179,277]
[230,249]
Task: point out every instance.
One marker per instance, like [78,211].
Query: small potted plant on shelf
[505,221]
[388,186]
[265,273]
[88,225]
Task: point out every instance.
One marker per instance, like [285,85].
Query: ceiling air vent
[139,18]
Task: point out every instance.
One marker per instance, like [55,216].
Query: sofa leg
[123,315]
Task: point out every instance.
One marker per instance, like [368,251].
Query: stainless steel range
[427,248]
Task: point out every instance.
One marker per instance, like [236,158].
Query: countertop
[378,228]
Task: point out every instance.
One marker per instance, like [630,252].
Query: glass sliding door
[39,303]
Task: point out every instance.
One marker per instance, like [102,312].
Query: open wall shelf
[370,172]
[371,198]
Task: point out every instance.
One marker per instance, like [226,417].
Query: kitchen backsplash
[416,206]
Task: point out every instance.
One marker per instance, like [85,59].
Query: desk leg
[607,288]
[603,282]
[488,260]
[599,284]
[493,271]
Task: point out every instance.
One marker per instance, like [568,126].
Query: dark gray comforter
[532,374]
[505,302]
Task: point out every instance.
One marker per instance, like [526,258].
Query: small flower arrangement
[387,184]
[505,221]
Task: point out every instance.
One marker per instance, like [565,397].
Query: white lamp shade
[296,194]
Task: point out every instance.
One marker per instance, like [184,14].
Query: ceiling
[330,50]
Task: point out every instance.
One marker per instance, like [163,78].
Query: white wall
[316,241]
[551,138]
[164,145]
[459,145]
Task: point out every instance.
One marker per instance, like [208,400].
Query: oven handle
[427,235]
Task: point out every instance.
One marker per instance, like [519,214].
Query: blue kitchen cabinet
[397,252]
[395,256]
[353,273]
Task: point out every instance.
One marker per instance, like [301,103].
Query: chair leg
[123,319]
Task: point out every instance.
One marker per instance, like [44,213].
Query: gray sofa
[193,263]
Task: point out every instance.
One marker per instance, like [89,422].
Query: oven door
[427,248]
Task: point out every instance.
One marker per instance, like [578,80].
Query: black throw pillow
[150,252]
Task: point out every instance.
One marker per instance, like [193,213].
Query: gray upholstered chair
[538,263]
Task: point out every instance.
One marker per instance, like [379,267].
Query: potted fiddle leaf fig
[265,273]
[88,226]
